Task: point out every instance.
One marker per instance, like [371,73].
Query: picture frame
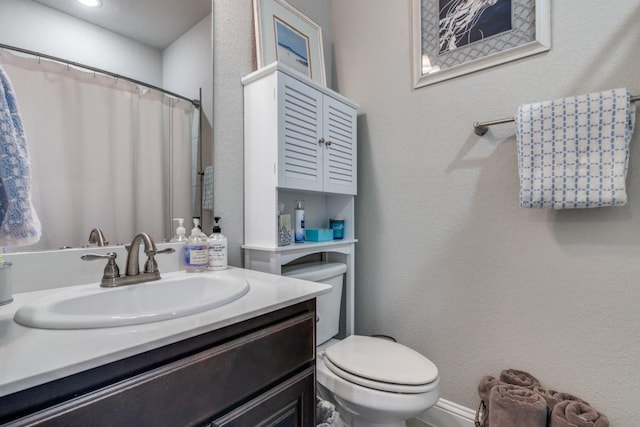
[286,35]
[452,37]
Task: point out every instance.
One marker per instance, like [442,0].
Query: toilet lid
[381,364]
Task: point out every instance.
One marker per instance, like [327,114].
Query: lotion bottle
[195,250]
[217,244]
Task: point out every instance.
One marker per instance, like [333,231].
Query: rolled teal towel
[571,413]
[512,405]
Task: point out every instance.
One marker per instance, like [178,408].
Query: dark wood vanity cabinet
[260,372]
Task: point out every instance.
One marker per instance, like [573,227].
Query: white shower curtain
[104,153]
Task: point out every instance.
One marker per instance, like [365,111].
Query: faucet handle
[111,270]
[151,266]
[163,251]
[92,257]
[153,252]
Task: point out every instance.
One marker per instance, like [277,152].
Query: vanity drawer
[196,388]
[291,403]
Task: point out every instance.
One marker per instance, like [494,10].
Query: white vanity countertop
[30,357]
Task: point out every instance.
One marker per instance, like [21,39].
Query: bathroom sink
[90,306]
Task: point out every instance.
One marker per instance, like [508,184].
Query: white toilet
[374,382]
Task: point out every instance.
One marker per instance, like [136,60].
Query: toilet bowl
[374,382]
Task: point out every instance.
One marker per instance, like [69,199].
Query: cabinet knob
[327,142]
[321,141]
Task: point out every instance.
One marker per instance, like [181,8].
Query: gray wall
[447,262]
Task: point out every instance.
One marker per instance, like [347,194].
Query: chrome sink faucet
[111,276]
[133,263]
[97,236]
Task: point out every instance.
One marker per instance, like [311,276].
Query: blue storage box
[318,234]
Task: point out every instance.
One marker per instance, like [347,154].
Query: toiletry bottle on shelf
[285,236]
[217,244]
[299,219]
[180,236]
[195,250]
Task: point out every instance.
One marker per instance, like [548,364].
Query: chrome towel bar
[480,128]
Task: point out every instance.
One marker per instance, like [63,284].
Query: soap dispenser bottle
[181,233]
[217,244]
[195,250]
[299,219]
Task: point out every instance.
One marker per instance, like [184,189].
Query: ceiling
[155,23]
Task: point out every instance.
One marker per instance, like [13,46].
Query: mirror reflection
[107,153]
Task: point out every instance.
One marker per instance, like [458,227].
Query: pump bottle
[195,250]
[299,219]
[217,244]
[180,236]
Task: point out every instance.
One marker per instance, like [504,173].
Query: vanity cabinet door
[290,404]
[195,389]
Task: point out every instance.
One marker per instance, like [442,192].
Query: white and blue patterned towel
[207,188]
[573,152]
[19,223]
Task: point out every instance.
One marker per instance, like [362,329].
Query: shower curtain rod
[195,102]
[480,128]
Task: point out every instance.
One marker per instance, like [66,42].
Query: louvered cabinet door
[317,135]
[300,152]
[340,147]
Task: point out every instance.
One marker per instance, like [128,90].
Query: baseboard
[448,414]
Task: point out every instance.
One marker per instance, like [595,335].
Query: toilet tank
[327,305]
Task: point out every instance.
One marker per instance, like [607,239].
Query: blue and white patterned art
[292,47]
[464,22]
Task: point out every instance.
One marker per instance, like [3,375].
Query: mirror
[130,39]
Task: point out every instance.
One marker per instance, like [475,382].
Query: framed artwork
[456,37]
[286,35]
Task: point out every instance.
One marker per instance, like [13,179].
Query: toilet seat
[381,365]
[381,386]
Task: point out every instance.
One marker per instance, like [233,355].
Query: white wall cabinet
[318,139]
[300,144]
[307,132]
